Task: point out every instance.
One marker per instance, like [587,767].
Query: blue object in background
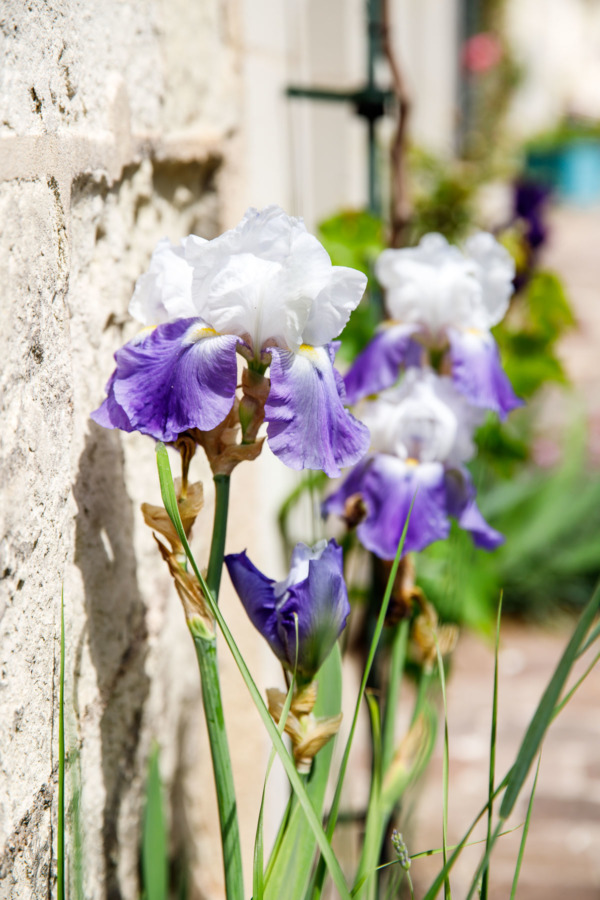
[572,170]
[579,172]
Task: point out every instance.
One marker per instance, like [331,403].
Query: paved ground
[562,860]
[563,849]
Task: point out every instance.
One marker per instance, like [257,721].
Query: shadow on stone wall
[116,625]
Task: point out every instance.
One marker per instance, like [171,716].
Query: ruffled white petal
[426,419]
[495,273]
[438,287]
[333,304]
[271,282]
[164,292]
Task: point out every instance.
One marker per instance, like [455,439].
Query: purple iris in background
[266,290]
[421,438]
[530,200]
[444,301]
[312,602]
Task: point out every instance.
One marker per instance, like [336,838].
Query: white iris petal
[267,280]
[164,292]
[438,287]
[299,565]
[425,420]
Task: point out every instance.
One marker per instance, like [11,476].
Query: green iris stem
[206,651]
[217,546]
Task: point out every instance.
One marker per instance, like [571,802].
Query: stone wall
[118,125]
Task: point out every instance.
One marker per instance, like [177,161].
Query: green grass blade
[155,869]
[397,663]
[485,860]
[513,891]
[258,871]
[542,717]
[372,838]
[545,711]
[446,772]
[335,806]
[170,503]
[576,686]
[289,876]
[285,821]
[594,635]
[437,850]
[493,732]
[443,873]
[60,837]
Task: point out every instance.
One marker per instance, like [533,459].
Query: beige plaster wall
[119,124]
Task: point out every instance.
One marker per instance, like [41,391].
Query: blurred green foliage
[353,238]
[356,238]
[566,131]
[155,842]
[539,316]
[443,196]
[551,558]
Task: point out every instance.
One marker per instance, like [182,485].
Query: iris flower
[443,302]
[311,602]
[266,290]
[420,440]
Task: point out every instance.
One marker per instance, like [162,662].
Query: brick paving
[562,860]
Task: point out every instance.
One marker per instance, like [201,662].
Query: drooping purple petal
[109,414]
[257,594]
[460,496]
[181,375]
[478,374]
[308,427]
[314,608]
[377,367]
[388,486]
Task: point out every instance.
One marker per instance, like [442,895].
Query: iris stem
[206,651]
[217,546]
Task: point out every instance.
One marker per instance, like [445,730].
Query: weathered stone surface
[117,124]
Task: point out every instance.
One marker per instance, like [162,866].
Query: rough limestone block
[117,125]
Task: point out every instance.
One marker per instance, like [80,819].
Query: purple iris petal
[256,592]
[388,485]
[460,494]
[109,414]
[316,607]
[377,367]
[308,425]
[181,375]
[529,204]
[478,374]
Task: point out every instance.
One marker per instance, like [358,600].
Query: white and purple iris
[444,301]
[420,440]
[265,290]
[312,603]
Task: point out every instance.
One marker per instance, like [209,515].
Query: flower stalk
[206,652]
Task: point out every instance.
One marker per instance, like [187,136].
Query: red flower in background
[481,52]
